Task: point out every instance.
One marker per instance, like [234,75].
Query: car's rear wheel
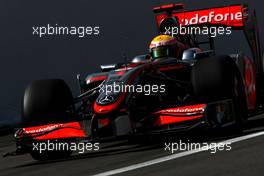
[218,78]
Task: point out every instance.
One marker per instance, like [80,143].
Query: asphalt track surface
[128,158]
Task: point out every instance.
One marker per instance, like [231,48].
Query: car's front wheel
[46,101]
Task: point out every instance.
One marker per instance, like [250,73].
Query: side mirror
[141,59]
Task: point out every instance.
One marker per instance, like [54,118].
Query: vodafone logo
[184,110]
[220,20]
[211,17]
[232,16]
[41,129]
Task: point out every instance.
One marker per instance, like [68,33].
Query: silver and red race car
[198,90]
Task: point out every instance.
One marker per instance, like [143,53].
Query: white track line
[174,156]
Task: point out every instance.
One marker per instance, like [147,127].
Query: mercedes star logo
[106,99]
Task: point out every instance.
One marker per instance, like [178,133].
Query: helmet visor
[161,51]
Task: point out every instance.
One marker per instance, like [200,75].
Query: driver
[164,46]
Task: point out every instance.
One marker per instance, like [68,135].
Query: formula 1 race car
[199,89]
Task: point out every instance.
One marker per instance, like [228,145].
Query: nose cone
[107,103]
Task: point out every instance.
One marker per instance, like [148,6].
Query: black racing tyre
[46,101]
[218,78]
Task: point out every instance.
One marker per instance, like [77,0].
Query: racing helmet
[164,46]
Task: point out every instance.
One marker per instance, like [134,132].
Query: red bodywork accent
[229,16]
[96,78]
[180,114]
[120,72]
[55,131]
[250,83]
[168,7]
[172,67]
[104,122]
[164,120]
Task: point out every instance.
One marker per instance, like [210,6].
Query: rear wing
[238,17]
[232,15]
